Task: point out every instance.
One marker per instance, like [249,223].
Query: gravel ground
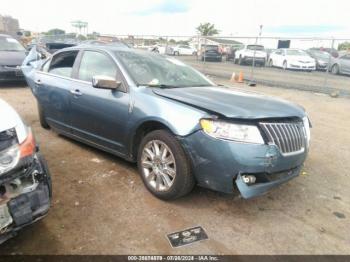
[100,205]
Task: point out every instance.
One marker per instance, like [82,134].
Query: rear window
[255,47]
[10,44]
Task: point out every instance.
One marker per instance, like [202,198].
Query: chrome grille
[289,137]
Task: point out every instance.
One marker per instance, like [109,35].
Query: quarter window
[62,63]
[96,64]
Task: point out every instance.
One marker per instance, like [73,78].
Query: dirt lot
[100,205]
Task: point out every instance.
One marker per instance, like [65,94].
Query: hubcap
[158,165]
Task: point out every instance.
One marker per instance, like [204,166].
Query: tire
[42,118]
[240,60]
[161,184]
[285,65]
[176,53]
[270,64]
[335,69]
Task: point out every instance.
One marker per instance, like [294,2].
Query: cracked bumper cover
[31,205]
[219,164]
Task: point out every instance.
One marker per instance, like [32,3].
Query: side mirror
[105,82]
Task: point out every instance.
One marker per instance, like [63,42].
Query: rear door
[345,64]
[52,88]
[99,116]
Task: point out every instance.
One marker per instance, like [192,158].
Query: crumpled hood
[12,58]
[232,103]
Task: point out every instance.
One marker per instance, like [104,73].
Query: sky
[321,18]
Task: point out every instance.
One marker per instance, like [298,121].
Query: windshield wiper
[159,85]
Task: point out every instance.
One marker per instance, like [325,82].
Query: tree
[56,31]
[344,46]
[207,29]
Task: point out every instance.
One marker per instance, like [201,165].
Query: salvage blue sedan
[178,126]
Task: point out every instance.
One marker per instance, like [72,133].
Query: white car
[183,50]
[246,54]
[25,181]
[296,59]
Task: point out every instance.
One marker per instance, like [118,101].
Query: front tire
[240,60]
[42,118]
[270,64]
[164,166]
[335,69]
[285,65]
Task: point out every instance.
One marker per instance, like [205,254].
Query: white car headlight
[230,131]
[9,158]
[307,129]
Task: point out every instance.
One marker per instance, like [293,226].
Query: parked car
[341,64]
[161,49]
[211,53]
[178,126]
[332,51]
[249,53]
[25,183]
[321,57]
[12,54]
[183,50]
[296,59]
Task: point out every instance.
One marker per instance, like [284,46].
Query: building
[9,25]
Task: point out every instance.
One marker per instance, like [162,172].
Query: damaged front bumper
[25,195]
[221,165]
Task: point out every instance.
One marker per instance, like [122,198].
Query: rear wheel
[42,118]
[335,69]
[164,167]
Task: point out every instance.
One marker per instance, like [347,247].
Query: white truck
[249,53]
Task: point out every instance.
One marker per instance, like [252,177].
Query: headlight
[307,129]
[9,158]
[229,131]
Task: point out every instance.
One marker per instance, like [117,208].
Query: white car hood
[10,119]
[300,58]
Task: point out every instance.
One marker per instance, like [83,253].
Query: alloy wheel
[158,165]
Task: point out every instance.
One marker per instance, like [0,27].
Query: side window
[94,64]
[346,57]
[62,63]
[46,65]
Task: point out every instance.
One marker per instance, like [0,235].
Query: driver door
[99,116]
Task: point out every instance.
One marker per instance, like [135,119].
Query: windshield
[10,44]
[210,47]
[150,69]
[255,47]
[320,54]
[296,52]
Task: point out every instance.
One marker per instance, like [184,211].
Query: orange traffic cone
[240,77]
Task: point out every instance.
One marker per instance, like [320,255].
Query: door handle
[76,92]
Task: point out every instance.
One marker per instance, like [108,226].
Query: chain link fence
[308,63]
